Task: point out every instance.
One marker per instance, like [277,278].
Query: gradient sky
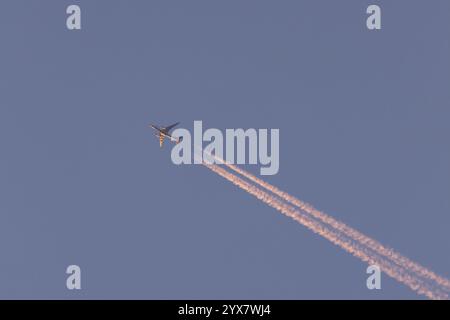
[364,126]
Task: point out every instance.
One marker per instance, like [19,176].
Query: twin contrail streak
[348,231]
[361,246]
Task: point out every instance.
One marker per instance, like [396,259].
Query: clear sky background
[364,130]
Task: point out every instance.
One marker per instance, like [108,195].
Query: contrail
[397,272]
[342,227]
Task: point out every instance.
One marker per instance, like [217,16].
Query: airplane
[164,132]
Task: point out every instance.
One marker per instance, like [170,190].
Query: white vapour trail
[394,271]
[347,230]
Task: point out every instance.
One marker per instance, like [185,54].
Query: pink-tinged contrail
[342,227]
[348,231]
[397,272]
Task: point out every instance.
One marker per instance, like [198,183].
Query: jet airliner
[164,132]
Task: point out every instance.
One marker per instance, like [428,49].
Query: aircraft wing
[155,127]
[168,128]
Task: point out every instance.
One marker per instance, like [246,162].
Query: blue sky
[363,119]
